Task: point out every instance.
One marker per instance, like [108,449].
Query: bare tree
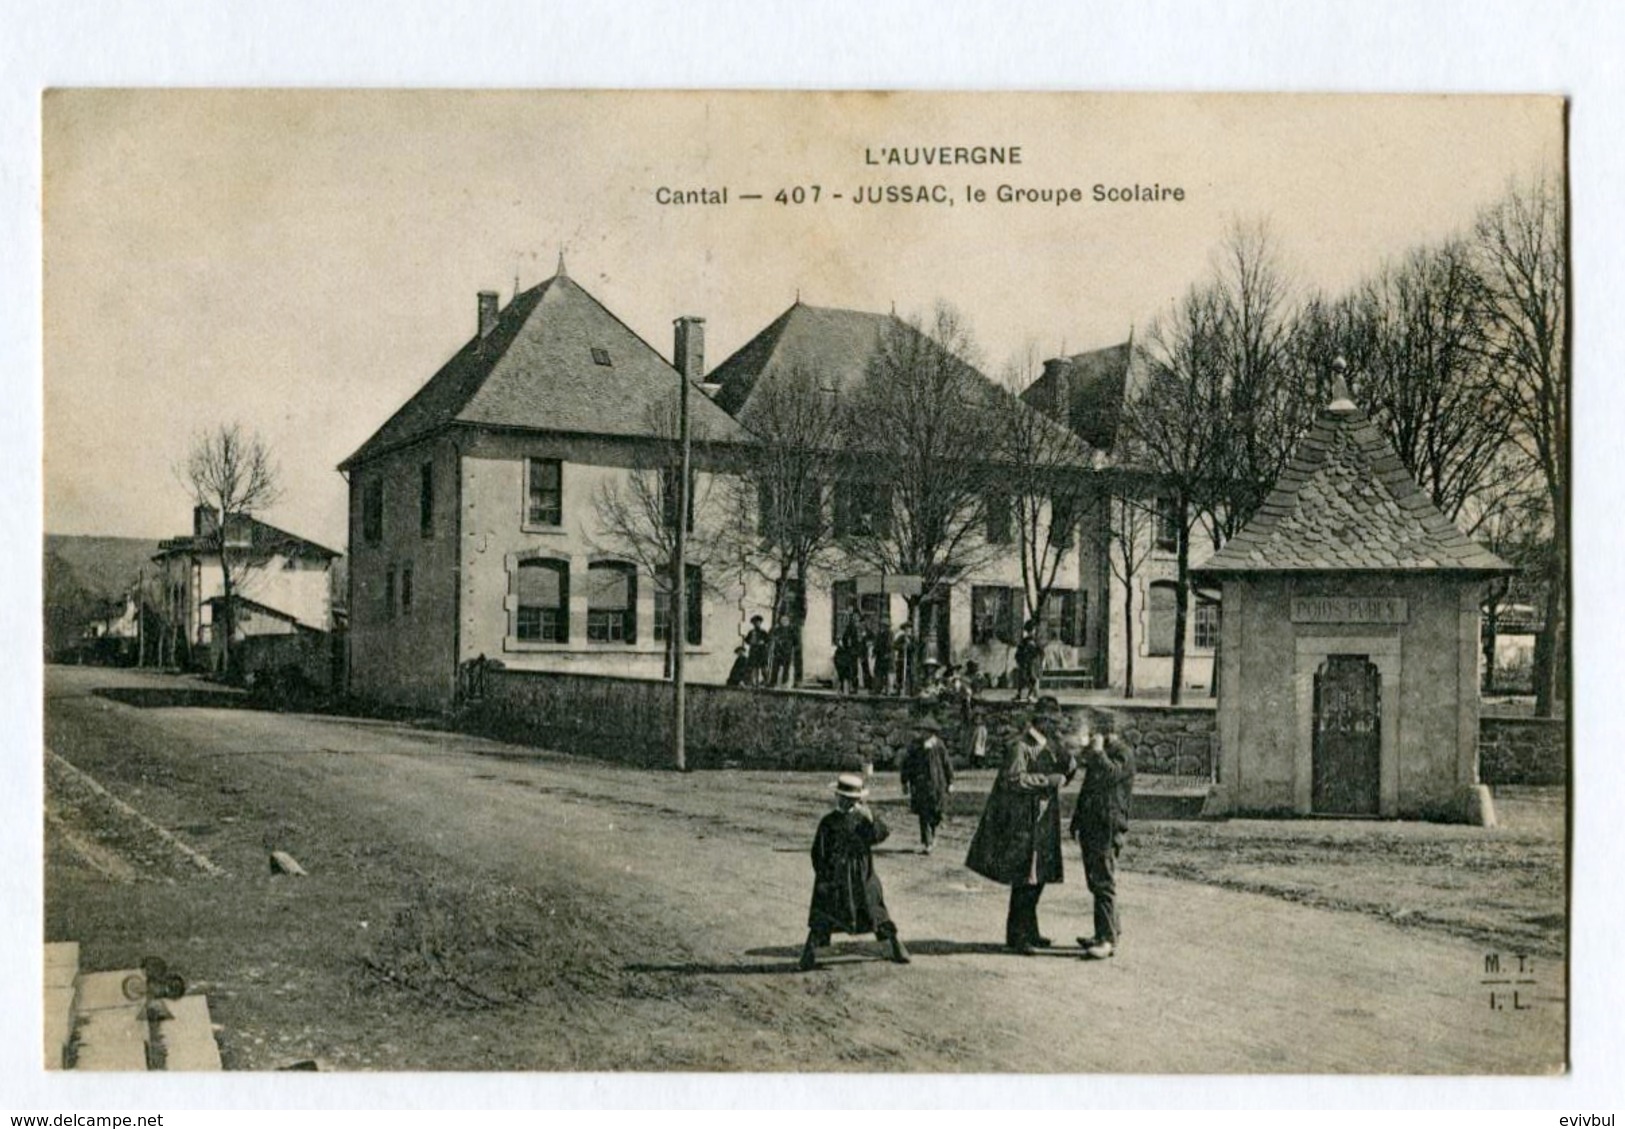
[1045,485]
[1129,525]
[920,427]
[776,504]
[232,475]
[637,514]
[1174,424]
[1523,261]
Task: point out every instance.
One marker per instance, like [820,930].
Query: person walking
[847,896]
[928,778]
[1018,841]
[1100,825]
[1029,662]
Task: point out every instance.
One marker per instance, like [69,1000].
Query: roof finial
[1341,401]
[894,307]
[798,295]
[561,272]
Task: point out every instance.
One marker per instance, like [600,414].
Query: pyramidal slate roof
[1346,503]
[835,344]
[541,368]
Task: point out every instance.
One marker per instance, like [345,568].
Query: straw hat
[850,785]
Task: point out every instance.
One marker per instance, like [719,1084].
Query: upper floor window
[1063,518]
[784,512]
[670,480]
[693,601]
[862,509]
[1207,625]
[542,589]
[426,500]
[545,492]
[1167,524]
[997,507]
[372,511]
[612,602]
[1159,617]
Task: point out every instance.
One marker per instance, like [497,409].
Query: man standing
[928,778]
[1100,824]
[759,644]
[1018,842]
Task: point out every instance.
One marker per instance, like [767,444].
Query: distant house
[1088,391]
[282,584]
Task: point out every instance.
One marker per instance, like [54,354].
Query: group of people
[1017,842]
[768,657]
[869,659]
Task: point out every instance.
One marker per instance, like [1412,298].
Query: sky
[303,261]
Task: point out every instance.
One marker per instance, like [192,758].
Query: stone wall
[1522,750]
[628,721]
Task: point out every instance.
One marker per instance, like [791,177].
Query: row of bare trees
[1458,350]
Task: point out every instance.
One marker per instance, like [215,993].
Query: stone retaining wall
[628,721]
[1522,750]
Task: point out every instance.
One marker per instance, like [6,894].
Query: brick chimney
[488,311]
[205,520]
[688,351]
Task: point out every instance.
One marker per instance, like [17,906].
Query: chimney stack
[488,312]
[688,351]
[205,520]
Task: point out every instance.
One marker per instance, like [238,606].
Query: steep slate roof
[1346,503]
[1085,391]
[263,537]
[835,344]
[536,370]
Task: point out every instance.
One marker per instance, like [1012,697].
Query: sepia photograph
[749,581]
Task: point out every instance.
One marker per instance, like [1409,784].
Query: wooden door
[1348,737]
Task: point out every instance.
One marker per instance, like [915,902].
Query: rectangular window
[612,603]
[862,509]
[545,492]
[1167,525]
[792,518]
[1063,519]
[873,610]
[543,591]
[1206,631]
[1061,619]
[997,507]
[406,588]
[994,614]
[372,511]
[670,478]
[426,500]
[389,593]
[693,597]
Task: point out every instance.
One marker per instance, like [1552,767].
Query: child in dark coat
[847,897]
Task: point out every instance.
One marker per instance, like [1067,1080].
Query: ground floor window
[543,589]
[1207,625]
[1064,614]
[612,602]
[995,614]
[693,598]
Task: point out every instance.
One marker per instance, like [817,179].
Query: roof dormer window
[601,357]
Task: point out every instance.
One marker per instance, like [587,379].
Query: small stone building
[1349,641]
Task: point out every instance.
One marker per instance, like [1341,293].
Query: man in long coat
[759,645]
[847,897]
[1018,842]
[928,778]
[1100,825]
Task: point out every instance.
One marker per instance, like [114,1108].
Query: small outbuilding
[1349,641]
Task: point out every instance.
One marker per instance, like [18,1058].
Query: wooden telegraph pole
[679,595]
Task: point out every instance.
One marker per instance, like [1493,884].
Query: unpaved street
[661,915]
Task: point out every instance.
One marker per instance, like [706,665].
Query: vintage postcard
[805,582]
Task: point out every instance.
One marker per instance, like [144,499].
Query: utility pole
[679,595]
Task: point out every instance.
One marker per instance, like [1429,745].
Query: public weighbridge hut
[1349,643]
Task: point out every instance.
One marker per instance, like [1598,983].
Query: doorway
[1347,753]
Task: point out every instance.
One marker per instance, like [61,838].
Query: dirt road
[656,918]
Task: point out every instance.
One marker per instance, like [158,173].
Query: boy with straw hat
[847,897]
